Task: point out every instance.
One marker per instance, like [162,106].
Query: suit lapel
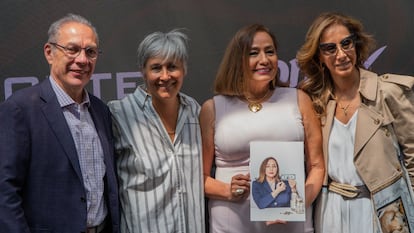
[100,129]
[57,122]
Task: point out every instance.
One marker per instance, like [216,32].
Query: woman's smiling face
[163,79]
[263,57]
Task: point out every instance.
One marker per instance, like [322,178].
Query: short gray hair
[172,45]
[53,32]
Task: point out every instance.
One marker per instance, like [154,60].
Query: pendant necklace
[345,109]
[255,106]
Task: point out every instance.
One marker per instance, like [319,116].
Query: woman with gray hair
[158,143]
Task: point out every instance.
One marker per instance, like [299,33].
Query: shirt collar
[64,99]
[368,84]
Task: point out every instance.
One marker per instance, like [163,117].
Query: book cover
[277,173]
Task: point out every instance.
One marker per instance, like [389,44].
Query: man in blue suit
[56,154]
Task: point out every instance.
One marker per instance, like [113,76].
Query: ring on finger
[239,191]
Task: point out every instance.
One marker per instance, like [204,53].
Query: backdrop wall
[210,25]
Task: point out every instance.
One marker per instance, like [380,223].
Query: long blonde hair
[318,83]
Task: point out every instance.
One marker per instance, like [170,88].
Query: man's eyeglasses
[331,49]
[72,51]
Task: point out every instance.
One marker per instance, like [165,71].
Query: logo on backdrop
[126,82]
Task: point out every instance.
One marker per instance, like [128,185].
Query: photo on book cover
[395,207]
[277,173]
[393,218]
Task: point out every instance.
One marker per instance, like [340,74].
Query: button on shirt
[161,183]
[89,149]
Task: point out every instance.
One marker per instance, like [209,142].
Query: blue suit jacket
[41,186]
[262,195]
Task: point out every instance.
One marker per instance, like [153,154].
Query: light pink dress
[235,127]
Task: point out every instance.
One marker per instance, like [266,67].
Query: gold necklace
[345,109]
[255,106]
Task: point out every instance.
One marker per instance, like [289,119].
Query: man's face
[72,73]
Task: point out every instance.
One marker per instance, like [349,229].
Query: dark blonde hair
[234,67]
[262,171]
[318,83]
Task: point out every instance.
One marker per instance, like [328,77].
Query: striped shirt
[161,182]
[89,149]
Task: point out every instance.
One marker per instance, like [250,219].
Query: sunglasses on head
[331,49]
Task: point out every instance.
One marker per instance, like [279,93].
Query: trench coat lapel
[371,122]
[370,119]
[326,130]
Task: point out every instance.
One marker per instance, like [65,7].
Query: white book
[288,205]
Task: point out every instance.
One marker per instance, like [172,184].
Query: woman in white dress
[363,116]
[248,107]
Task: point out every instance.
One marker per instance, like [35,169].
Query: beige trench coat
[387,106]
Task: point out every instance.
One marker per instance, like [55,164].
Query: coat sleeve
[14,159]
[398,90]
[262,197]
